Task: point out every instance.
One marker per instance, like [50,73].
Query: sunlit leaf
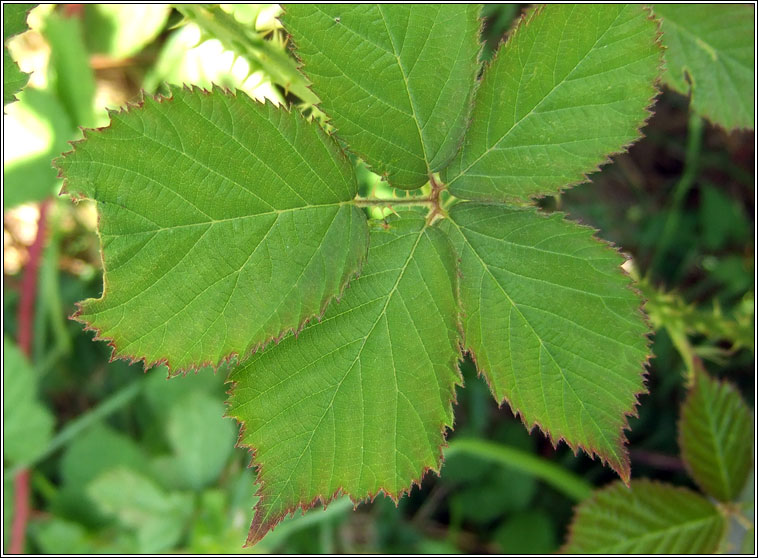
[122,30]
[14,22]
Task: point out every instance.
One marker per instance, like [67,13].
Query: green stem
[51,310]
[556,476]
[374,202]
[682,188]
[81,423]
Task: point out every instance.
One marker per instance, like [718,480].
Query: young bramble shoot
[226,224]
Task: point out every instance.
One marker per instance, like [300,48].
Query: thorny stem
[437,211]
[25,323]
[432,201]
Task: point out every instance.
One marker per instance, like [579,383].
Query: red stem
[25,328]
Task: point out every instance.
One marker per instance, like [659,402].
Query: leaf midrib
[717,447]
[382,312]
[411,100]
[686,526]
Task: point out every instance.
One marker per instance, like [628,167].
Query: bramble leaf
[14,22]
[397,80]
[715,433]
[570,87]
[224,224]
[710,56]
[552,323]
[645,518]
[359,402]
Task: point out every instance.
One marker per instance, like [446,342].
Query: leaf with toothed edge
[396,80]
[715,427]
[359,402]
[646,518]
[224,223]
[572,85]
[552,323]
[14,23]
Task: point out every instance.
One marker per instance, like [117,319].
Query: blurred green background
[110,469]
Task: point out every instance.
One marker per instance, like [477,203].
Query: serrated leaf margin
[78,196]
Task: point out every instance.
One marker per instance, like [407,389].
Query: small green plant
[226,224]
[715,428]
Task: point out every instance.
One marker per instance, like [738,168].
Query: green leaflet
[552,323]
[715,430]
[645,518]
[14,22]
[223,223]
[710,56]
[396,80]
[571,86]
[359,402]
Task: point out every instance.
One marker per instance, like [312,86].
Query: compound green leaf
[224,223]
[27,423]
[396,80]
[14,22]
[359,402]
[551,321]
[570,87]
[715,433]
[710,56]
[645,518]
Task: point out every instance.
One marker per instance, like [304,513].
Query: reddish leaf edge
[233,357]
[260,528]
[620,463]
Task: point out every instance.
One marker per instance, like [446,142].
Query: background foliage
[105,445]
